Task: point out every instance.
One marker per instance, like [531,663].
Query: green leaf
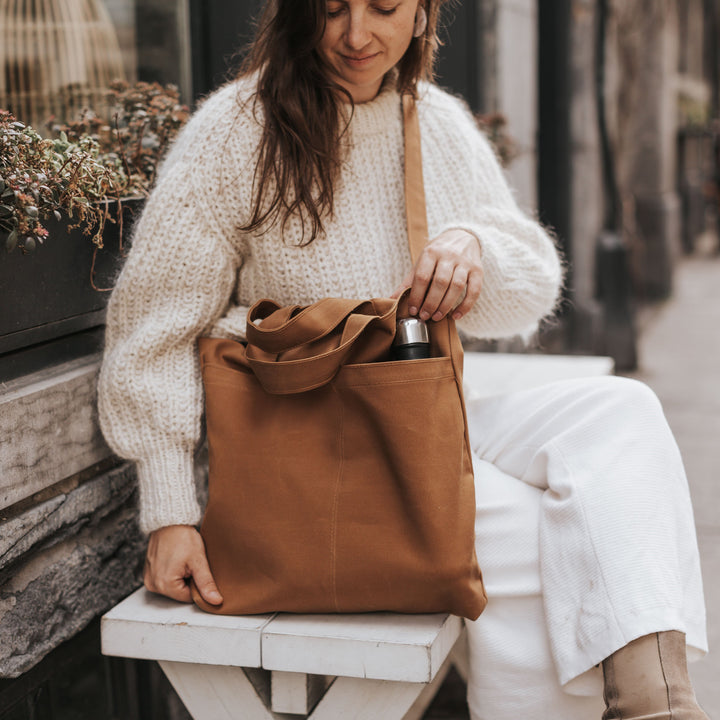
[11,242]
[31,211]
[30,244]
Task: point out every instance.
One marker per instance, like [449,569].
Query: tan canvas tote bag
[340,480]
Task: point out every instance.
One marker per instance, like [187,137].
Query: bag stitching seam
[336,502]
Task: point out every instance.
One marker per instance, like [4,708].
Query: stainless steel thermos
[412,341]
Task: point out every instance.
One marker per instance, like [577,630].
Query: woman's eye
[333,12]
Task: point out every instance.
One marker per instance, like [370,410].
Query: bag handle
[415,208]
[283,328]
[287,377]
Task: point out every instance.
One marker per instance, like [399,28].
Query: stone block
[94,559]
[48,429]
[63,515]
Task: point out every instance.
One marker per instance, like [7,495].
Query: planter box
[55,295]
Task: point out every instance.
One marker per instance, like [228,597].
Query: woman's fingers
[474,286]
[422,280]
[204,580]
[444,294]
[175,554]
[447,277]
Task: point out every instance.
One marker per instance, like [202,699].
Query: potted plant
[65,205]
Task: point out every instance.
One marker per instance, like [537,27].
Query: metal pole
[612,267]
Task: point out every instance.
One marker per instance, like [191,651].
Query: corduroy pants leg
[586,539]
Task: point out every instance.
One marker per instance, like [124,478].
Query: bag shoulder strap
[415,208]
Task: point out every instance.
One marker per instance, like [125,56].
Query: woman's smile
[359,61]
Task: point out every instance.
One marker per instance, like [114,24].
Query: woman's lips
[358,61]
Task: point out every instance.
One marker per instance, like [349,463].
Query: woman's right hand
[175,554]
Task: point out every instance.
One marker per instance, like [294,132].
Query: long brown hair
[300,152]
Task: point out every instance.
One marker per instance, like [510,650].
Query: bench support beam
[218,692]
[215,692]
[297,693]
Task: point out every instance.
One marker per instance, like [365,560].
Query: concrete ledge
[496,373]
[48,428]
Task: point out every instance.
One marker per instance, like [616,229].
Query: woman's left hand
[447,277]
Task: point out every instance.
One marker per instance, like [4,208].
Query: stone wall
[70,547]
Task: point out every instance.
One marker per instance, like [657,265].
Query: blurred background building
[612,107]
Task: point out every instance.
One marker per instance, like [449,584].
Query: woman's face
[363,39]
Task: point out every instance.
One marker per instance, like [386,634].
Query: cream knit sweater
[191,272]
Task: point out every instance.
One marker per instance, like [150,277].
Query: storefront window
[59,56]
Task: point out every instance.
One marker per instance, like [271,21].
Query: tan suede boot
[648,680]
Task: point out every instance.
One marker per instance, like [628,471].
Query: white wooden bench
[324,667]
[251,667]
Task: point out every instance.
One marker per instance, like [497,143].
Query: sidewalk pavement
[679,358]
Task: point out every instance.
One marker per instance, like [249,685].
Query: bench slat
[384,646]
[151,627]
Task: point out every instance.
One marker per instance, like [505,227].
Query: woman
[288,183]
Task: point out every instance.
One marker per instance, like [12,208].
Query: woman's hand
[447,277]
[175,553]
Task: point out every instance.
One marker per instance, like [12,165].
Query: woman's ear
[420,21]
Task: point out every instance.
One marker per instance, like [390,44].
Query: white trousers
[586,540]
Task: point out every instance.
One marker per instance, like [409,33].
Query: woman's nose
[357,34]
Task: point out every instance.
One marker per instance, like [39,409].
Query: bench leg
[215,692]
[362,699]
[428,693]
[219,692]
[297,693]
[460,656]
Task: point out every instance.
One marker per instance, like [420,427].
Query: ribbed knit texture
[192,272]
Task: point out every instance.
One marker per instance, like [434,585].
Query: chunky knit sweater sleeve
[175,284]
[522,270]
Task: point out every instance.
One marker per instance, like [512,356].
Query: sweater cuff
[467,227]
[167,490]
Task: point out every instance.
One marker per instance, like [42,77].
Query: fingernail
[457,316]
[424,315]
[215,597]
[437,316]
[412,310]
